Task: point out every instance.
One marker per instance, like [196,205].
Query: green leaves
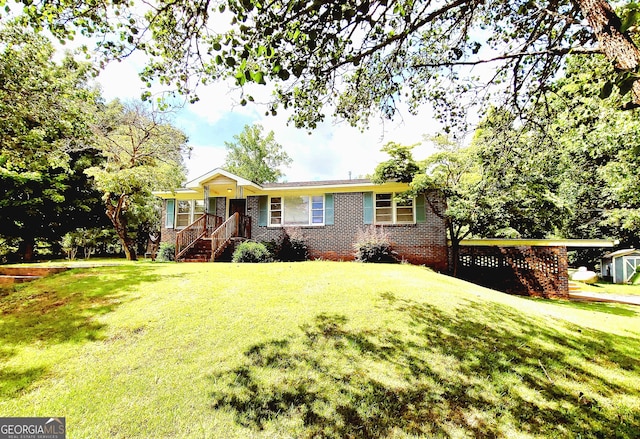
[256,157]
[630,17]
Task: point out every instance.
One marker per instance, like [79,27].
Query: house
[620,266]
[201,217]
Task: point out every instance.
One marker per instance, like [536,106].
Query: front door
[240,206]
[237,205]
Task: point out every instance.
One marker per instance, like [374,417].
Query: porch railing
[187,237]
[221,236]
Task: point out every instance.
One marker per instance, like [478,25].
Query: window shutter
[420,209]
[263,210]
[170,213]
[368,207]
[328,209]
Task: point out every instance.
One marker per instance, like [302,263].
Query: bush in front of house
[373,245]
[293,247]
[250,251]
[166,252]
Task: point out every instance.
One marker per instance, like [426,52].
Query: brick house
[210,211]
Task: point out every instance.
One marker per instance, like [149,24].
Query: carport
[530,267]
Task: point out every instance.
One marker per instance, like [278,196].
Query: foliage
[359,57]
[142,152]
[579,154]
[401,167]
[314,349]
[293,246]
[69,245]
[46,104]
[251,251]
[373,245]
[256,157]
[91,241]
[47,107]
[167,252]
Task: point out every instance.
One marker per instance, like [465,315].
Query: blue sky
[331,151]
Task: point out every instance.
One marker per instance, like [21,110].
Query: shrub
[166,252]
[250,251]
[293,247]
[373,245]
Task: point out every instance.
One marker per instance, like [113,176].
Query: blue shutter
[420,209]
[263,210]
[171,213]
[328,209]
[368,207]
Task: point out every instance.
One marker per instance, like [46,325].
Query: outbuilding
[621,265]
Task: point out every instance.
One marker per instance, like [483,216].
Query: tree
[255,157]
[589,152]
[487,192]
[362,56]
[142,152]
[46,109]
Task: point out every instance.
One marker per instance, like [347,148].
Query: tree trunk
[616,46]
[116,207]
[25,250]
[455,249]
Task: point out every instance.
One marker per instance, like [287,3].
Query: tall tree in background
[46,109]
[142,152]
[360,56]
[588,154]
[256,157]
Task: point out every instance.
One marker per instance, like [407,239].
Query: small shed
[621,265]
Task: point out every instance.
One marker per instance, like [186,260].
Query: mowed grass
[611,288]
[314,349]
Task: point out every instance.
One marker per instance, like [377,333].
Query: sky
[334,150]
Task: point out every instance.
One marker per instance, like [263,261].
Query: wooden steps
[200,252]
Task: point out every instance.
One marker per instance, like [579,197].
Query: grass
[314,349]
[611,288]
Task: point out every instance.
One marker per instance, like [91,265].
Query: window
[276,211]
[187,211]
[297,211]
[391,211]
[183,213]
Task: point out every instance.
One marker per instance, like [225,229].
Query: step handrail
[187,237]
[223,234]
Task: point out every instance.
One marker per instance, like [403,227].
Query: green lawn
[610,288]
[314,349]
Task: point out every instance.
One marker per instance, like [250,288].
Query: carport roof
[573,243]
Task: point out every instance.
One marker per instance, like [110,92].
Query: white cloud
[120,79]
[337,150]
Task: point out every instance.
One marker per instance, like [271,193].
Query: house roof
[298,184]
[200,181]
[576,243]
[619,253]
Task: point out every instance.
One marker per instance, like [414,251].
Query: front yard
[314,349]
